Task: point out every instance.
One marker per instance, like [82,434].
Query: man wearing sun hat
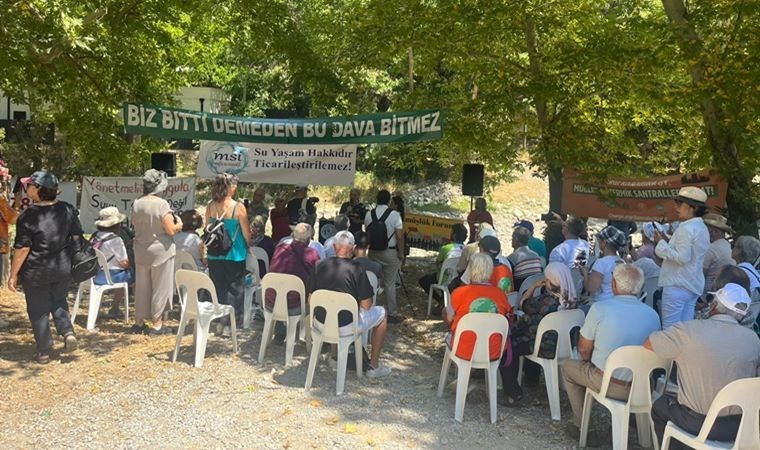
[710,354]
[719,252]
[681,275]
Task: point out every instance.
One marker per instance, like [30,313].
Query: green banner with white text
[173,123]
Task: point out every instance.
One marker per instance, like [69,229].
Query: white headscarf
[559,275]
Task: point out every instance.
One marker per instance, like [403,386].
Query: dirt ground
[121,390]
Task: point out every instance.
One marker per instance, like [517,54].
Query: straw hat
[717,221]
[108,217]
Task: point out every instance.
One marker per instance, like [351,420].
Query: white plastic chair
[530,281]
[562,322]
[282,283]
[641,363]
[189,283]
[484,325]
[448,271]
[742,393]
[184,260]
[262,255]
[647,294]
[96,293]
[251,265]
[333,302]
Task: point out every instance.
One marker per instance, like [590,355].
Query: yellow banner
[428,232]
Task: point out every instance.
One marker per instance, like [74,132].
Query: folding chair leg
[233,328]
[551,376]
[316,349]
[619,430]
[358,354]
[463,381]
[520,371]
[491,385]
[588,403]
[290,338]
[444,373]
[342,363]
[93,307]
[126,304]
[430,300]
[76,304]
[202,340]
[643,429]
[180,333]
[265,334]
[247,307]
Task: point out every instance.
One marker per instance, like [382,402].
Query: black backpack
[377,232]
[216,238]
[84,262]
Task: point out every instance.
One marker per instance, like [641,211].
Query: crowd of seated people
[705,321]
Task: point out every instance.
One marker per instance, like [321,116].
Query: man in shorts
[342,274]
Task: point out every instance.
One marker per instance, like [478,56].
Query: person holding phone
[681,275]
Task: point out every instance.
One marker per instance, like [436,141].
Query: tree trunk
[542,116]
[742,210]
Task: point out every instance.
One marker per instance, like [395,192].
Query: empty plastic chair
[483,325]
[281,284]
[448,271]
[189,282]
[96,293]
[641,362]
[334,302]
[742,393]
[562,322]
[530,281]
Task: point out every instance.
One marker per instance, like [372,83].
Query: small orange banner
[636,199]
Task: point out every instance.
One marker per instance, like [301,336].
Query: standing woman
[228,271]
[681,275]
[155,224]
[42,262]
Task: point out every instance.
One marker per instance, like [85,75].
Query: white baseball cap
[731,295]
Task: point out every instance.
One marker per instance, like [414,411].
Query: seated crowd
[699,275]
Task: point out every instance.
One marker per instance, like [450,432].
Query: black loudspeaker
[164,161]
[472,180]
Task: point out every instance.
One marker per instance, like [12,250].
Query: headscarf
[559,275]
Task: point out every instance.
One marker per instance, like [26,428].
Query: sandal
[160,332]
[42,358]
[511,402]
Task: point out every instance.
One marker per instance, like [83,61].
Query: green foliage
[612,88]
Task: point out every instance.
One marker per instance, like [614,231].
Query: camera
[547,217]
[313,199]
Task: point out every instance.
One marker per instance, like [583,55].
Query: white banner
[101,192]
[327,165]
[68,194]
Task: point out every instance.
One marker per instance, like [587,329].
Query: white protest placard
[68,194]
[326,165]
[101,192]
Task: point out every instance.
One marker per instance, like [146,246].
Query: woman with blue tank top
[228,271]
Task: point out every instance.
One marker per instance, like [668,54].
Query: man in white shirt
[719,252]
[574,251]
[392,255]
[621,320]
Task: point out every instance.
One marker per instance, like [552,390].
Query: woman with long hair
[155,224]
[228,271]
